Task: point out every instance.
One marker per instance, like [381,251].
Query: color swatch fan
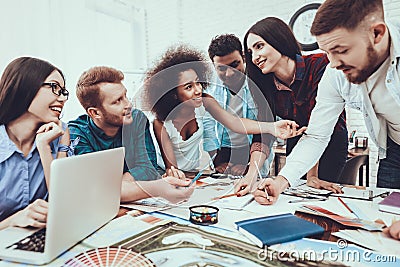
[108,257]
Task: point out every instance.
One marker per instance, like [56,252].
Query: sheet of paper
[311,190]
[149,204]
[377,241]
[121,228]
[314,248]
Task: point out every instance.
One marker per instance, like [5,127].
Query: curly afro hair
[161,81]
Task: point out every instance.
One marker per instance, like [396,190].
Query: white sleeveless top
[187,152]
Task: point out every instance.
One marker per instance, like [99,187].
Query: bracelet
[69,149]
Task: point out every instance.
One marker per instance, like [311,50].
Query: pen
[196,177]
[202,170]
[248,202]
[347,207]
[306,200]
[259,174]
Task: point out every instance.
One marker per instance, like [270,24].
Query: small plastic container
[203,214]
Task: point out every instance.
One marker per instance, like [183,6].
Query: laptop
[84,195]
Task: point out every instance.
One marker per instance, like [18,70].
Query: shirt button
[389,80]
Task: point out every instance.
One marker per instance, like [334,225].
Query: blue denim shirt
[335,91]
[21,178]
[213,130]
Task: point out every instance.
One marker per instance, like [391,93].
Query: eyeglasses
[57,89]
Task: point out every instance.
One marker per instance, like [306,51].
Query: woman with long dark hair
[32,97]
[289,82]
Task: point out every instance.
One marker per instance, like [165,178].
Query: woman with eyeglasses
[32,97]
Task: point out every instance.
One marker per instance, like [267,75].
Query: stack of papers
[391,203]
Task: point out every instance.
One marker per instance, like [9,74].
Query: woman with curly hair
[174,93]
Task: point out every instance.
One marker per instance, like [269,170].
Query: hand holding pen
[272,187]
[243,187]
[245,184]
[260,176]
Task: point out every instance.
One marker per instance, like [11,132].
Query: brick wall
[197,22]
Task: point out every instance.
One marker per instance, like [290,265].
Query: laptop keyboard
[34,242]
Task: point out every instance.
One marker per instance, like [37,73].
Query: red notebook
[391,203]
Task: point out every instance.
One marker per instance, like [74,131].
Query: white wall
[74,35]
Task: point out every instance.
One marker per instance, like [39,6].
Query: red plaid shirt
[297,101]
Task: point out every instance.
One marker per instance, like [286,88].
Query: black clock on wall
[301,22]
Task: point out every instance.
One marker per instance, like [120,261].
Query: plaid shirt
[140,155]
[297,101]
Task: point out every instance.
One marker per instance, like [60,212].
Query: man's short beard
[364,74]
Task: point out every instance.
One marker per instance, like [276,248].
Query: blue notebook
[277,229]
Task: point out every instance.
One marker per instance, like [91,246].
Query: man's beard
[364,74]
[113,120]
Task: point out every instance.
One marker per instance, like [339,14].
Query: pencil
[259,174]
[347,207]
[224,196]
